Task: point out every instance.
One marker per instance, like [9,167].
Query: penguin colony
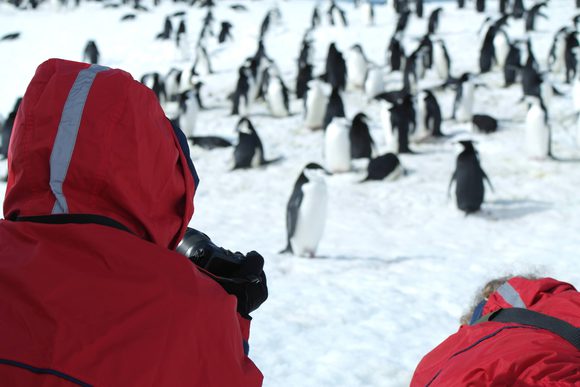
[401,92]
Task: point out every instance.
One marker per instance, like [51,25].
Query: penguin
[334,108]
[480,6]
[487,51]
[302,80]
[391,139]
[460,4]
[484,123]
[501,47]
[464,98]
[441,59]
[276,93]
[337,147]
[167,30]
[387,166]
[201,55]
[315,19]
[503,6]
[570,58]
[395,53]
[129,16]
[225,32]
[368,13]
[173,84]
[419,8]
[242,92]
[361,142]
[155,83]
[306,212]
[403,122]
[7,128]
[375,83]
[433,23]
[432,117]
[402,22]
[91,53]
[181,32]
[537,132]
[469,178]
[249,152]
[188,110]
[356,67]
[518,9]
[557,55]
[10,36]
[315,105]
[533,13]
[512,65]
[336,15]
[265,26]
[336,71]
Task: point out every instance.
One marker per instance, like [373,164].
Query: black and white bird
[469,179]
[249,152]
[361,141]
[306,212]
[387,166]
[337,146]
[91,53]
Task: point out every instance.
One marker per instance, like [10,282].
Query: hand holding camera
[240,275]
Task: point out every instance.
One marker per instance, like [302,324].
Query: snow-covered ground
[398,263]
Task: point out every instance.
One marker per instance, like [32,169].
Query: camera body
[199,248]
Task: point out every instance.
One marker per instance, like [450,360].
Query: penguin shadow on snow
[506,209]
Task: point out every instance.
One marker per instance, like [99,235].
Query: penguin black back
[91,53]
[249,151]
[382,166]
[532,14]
[433,23]
[484,123]
[361,142]
[7,128]
[433,116]
[334,108]
[468,176]
[335,68]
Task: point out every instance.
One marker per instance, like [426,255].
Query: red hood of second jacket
[126,162]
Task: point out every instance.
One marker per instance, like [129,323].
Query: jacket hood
[92,140]
[524,293]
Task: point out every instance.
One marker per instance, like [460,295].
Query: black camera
[197,246]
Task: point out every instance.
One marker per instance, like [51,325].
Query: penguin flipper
[488,181]
[453,177]
[293,207]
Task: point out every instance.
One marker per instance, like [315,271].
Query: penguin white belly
[465,109]
[188,119]
[440,62]
[337,146]
[547,93]
[390,137]
[311,219]
[397,172]
[316,103]
[356,71]
[560,54]
[275,99]
[257,158]
[502,48]
[374,84]
[537,134]
[421,113]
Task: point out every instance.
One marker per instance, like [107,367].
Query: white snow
[398,263]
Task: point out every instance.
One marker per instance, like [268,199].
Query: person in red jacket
[522,332]
[100,193]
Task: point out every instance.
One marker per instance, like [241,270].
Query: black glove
[241,276]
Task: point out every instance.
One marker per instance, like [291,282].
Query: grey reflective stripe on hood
[66,136]
[510,295]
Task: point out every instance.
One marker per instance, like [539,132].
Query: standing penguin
[315,105]
[538,136]
[501,45]
[156,84]
[403,122]
[167,30]
[433,23]
[374,83]
[336,15]
[463,103]
[188,111]
[225,32]
[7,129]
[441,59]
[276,93]
[356,67]
[334,108]
[532,14]
[361,142]
[306,212]
[557,55]
[241,94]
[570,58]
[469,176]
[335,68]
[433,116]
[512,65]
[518,9]
[249,152]
[395,53]
[390,135]
[337,154]
[419,8]
[91,53]
[480,6]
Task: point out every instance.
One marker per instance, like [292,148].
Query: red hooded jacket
[510,354]
[91,304]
